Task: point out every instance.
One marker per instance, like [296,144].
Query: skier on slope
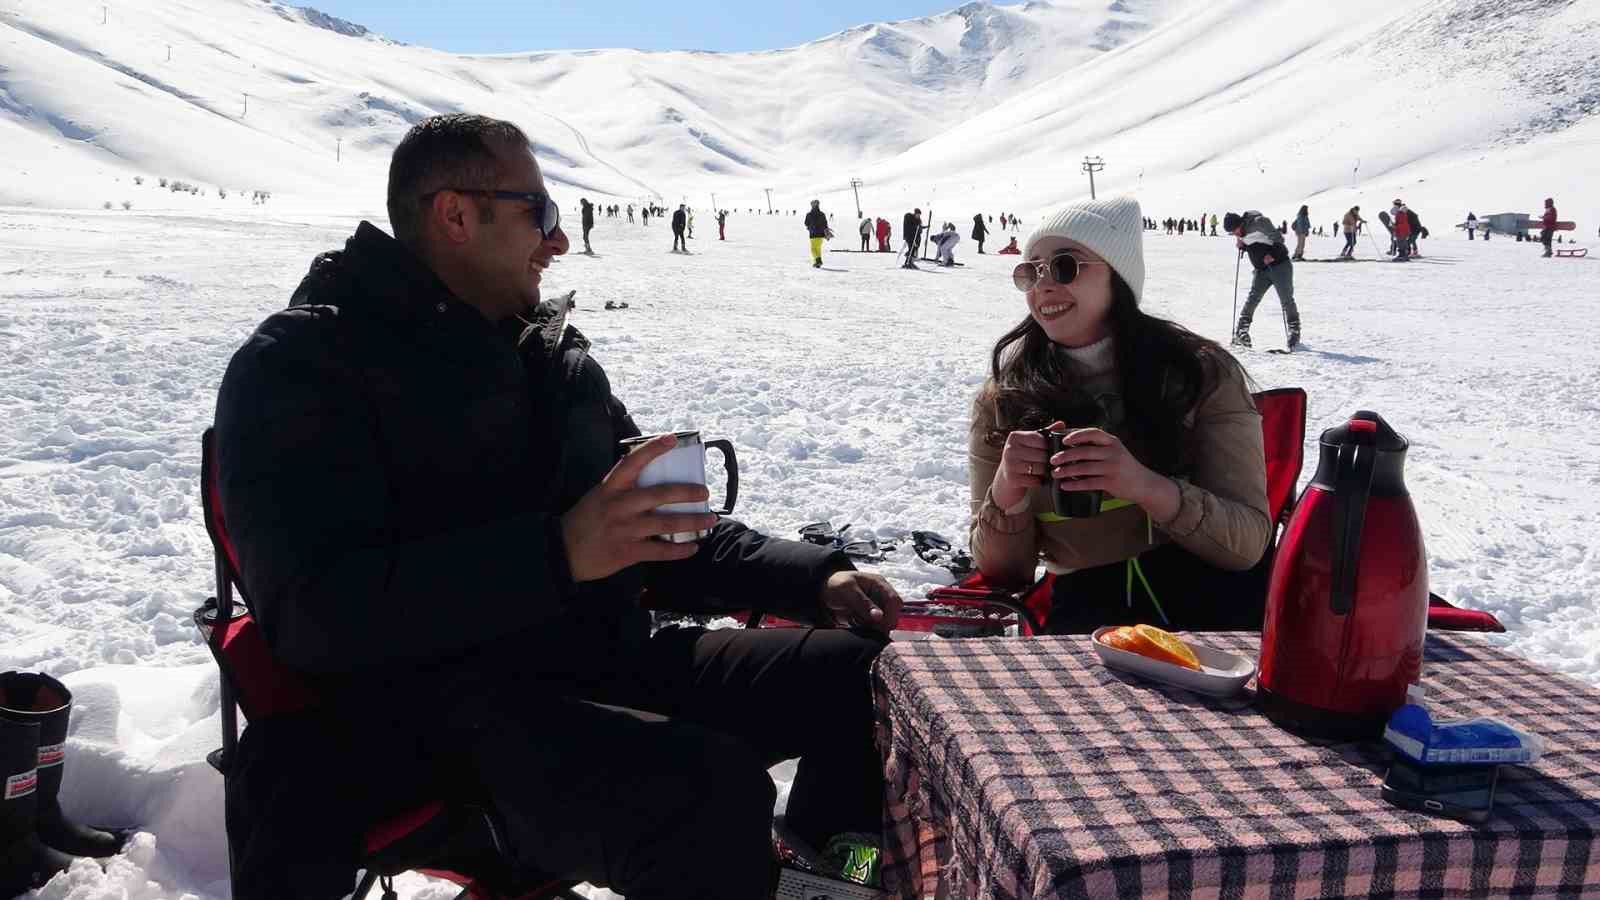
[866,234]
[947,240]
[722,225]
[587,215]
[1416,229]
[883,235]
[1400,227]
[1547,224]
[817,229]
[679,220]
[910,231]
[1352,227]
[1301,228]
[1258,237]
[1472,226]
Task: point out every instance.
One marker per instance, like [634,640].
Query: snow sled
[1574,253]
[464,843]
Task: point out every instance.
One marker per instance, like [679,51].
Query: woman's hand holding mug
[1094,460]
[1097,460]
[1024,464]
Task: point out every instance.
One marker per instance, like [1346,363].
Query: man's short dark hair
[452,151]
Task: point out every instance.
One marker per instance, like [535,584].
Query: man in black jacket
[680,220]
[818,231]
[419,467]
[911,229]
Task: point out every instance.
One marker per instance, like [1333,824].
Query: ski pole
[1231,326]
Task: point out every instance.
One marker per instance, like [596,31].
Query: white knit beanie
[1113,228]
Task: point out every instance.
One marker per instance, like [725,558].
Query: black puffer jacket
[816,224]
[393,468]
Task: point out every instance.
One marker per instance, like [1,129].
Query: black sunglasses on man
[545,213]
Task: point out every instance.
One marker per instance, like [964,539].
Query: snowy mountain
[264,96]
[1454,105]
[1460,104]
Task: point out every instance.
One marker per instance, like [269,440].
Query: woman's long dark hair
[1165,371]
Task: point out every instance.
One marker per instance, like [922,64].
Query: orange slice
[1165,646]
[1121,638]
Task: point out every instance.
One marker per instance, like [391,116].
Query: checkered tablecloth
[1023,768]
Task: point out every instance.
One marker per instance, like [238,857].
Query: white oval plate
[1223,675]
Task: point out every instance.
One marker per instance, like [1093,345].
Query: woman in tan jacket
[1157,418]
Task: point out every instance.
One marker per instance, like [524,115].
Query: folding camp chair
[463,843]
[1283,431]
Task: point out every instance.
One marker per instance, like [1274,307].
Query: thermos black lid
[1366,427]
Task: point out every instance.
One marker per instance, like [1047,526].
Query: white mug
[686,464]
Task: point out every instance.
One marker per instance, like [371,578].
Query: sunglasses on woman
[1063,268]
[546,215]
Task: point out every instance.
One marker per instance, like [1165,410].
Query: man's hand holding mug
[615,524]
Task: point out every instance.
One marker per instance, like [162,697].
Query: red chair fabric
[1446,616]
[263,688]
[1283,440]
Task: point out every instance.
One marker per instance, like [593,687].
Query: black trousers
[1196,595]
[645,768]
[678,241]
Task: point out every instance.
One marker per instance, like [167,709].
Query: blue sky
[503,26]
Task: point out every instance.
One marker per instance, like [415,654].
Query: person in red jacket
[1402,233]
[883,235]
[1548,224]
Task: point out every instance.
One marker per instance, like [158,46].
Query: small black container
[1068,503]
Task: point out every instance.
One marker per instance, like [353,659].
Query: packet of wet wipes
[1412,733]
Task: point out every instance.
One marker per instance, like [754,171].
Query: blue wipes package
[1412,733]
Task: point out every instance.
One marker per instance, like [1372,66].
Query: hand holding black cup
[1065,500]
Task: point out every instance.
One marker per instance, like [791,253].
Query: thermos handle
[1357,463]
[732,463]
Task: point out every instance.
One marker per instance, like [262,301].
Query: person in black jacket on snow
[818,231]
[586,215]
[680,220]
[979,232]
[419,466]
[911,232]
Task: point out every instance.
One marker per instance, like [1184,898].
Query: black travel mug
[1066,502]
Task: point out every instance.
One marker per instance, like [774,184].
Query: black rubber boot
[47,702]
[24,862]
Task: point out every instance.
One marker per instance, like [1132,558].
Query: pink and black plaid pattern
[1023,768]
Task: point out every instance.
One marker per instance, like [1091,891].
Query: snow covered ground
[846,391]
